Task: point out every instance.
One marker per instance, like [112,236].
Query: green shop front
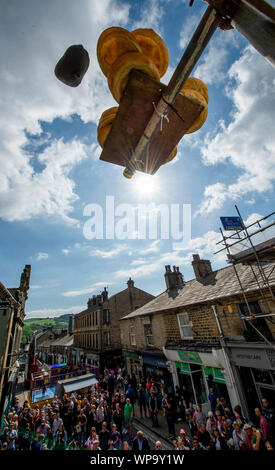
[198,371]
[132,363]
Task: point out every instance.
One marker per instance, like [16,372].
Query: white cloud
[153,265]
[41,256]
[34,286]
[213,66]
[153,248]
[247,142]
[54,312]
[214,198]
[33,37]
[87,290]
[66,251]
[151,16]
[188,30]
[109,254]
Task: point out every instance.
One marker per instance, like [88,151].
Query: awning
[78,383]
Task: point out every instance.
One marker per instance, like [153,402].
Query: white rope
[162,116]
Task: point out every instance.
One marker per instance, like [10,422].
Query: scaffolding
[254,245]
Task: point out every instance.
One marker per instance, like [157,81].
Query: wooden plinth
[135,110]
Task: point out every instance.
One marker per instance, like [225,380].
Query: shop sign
[251,358]
[216,373]
[131,354]
[271,356]
[154,361]
[183,367]
[187,356]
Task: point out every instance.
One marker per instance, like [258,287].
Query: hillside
[38,324]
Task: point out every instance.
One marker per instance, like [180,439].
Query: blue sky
[49,153]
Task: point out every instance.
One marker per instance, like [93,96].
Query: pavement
[162,430]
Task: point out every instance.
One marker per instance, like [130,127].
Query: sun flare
[146,185]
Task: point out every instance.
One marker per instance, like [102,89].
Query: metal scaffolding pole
[262,273]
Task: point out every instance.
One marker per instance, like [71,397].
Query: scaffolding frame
[262,280]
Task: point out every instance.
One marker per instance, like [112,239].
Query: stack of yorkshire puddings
[119,51]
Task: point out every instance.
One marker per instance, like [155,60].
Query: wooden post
[195,48]
[257,25]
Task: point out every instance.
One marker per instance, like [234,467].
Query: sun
[146,185]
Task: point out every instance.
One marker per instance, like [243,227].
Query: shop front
[111,359]
[198,371]
[81,355]
[254,368]
[155,368]
[132,363]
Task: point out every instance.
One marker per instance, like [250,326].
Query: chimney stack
[202,267]
[173,279]
[130,283]
[104,294]
[70,325]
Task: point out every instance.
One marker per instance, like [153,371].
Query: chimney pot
[173,279]
[202,267]
[130,283]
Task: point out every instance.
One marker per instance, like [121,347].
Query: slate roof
[216,285]
[64,341]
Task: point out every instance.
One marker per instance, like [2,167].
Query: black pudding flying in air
[72,66]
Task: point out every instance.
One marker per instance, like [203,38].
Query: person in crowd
[118,418]
[239,437]
[170,413]
[248,431]
[218,441]
[220,423]
[264,425]
[97,445]
[12,437]
[268,413]
[183,439]
[104,436]
[140,442]
[128,416]
[210,422]
[268,446]
[199,417]
[56,423]
[100,414]
[204,436]
[197,446]
[142,401]
[153,409]
[116,437]
[81,427]
[238,415]
[213,399]
[257,441]
[92,437]
[158,445]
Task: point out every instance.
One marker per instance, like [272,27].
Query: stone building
[196,331]
[97,329]
[44,344]
[12,313]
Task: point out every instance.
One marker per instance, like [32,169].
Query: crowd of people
[101,418]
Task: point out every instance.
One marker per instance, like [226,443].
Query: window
[249,332]
[132,336]
[107,340]
[148,335]
[185,326]
[106,317]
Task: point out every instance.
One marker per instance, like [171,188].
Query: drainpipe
[232,380]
